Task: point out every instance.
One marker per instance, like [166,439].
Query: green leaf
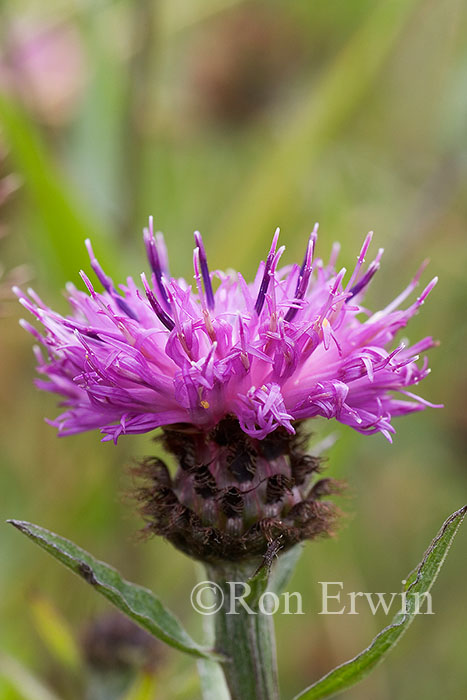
[418,582]
[137,602]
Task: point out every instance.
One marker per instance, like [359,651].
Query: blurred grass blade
[23,681]
[55,632]
[318,119]
[143,688]
[135,601]
[418,582]
[65,225]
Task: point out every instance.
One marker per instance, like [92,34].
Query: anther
[203,261]
[266,277]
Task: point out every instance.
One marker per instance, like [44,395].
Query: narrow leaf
[137,602]
[418,582]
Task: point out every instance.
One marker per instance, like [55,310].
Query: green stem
[245,638]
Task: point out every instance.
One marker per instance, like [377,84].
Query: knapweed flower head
[294,344]
[112,643]
[230,370]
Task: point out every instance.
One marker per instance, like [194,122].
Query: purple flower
[294,344]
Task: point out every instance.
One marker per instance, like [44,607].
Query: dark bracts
[234,497]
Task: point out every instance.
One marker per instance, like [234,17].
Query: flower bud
[235,497]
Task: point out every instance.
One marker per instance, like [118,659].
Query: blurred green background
[234,118]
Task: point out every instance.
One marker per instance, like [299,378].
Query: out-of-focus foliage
[360,123]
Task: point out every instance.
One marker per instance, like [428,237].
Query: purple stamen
[360,260]
[88,283]
[304,274]
[369,274]
[196,267]
[157,258]
[156,307]
[337,282]
[364,281]
[265,281]
[123,306]
[203,261]
[426,291]
[105,281]
[108,284]
[162,252]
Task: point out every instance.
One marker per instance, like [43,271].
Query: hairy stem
[245,635]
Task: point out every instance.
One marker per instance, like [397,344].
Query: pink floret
[292,345]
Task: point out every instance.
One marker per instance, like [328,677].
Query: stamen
[157,256]
[367,277]
[35,297]
[243,354]
[360,259]
[333,292]
[30,329]
[17,291]
[98,271]
[156,307]
[203,261]
[174,308]
[403,295]
[426,291]
[337,282]
[108,284]
[206,316]
[162,251]
[88,283]
[121,303]
[265,281]
[272,276]
[304,274]
[196,266]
